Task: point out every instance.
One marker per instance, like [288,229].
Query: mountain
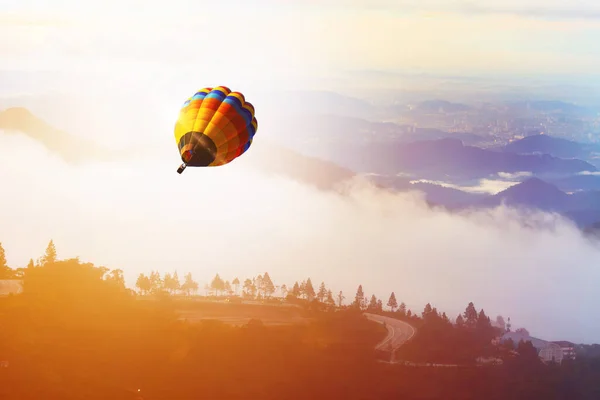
[557,147]
[583,208]
[554,106]
[532,193]
[442,159]
[266,156]
[578,182]
[274,159]
[71,148]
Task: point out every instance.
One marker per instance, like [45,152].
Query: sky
[117,72]
[270,41]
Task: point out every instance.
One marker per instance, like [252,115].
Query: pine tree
[329,300]
[402,309]
[340,298]
[427,311]
[284,290]
[392,302]
[156,282]
[309,290]
[322,294]
[373,303]
[379,306]
[483,322]
[217,284]
[267,285]
[236,285]
[359,298]
[176,283]
[296,290]
[470,316]
[189,285]
[50,255]
[460,322]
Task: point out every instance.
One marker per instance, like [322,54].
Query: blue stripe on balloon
[216,94]
[237,106]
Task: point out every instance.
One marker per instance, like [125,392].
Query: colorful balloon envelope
[215,126]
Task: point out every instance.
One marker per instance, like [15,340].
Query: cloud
[235,221]
[516,175]
[593,173]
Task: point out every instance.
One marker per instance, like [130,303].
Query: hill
[577,182]
[532,193]
[69,147]
[444,158]
[268,156]
[557,147]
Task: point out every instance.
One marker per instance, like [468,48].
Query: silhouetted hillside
[532,193]
[440,159]
[557,147]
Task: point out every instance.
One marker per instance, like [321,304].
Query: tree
[322,294]
[228,288]
[249,288]
[156,282]
[143,284]
[258,283]
[267,285]
[483,321]
[329,300]
[5,271]
[309,291]
[50,256]
[236,285]
[217,284]
[402,309]
[176,283]
[470,316]
[296,290]
[379,306]
[358,299]
[392,302]
[427,311]
[340,298]
[460,322]
[172,283]
[500,322]
[284,290]
[189,285]
[372,304]
[116,277]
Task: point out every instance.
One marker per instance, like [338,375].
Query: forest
[77,332]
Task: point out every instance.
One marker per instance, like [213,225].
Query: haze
[136,67]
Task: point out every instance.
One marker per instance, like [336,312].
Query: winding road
[398,332]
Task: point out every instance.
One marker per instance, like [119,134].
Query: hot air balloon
[215,126]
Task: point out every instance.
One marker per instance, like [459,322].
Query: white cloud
[233,220]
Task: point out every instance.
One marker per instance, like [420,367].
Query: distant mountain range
[557,147]
[444,159]
[268,156]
